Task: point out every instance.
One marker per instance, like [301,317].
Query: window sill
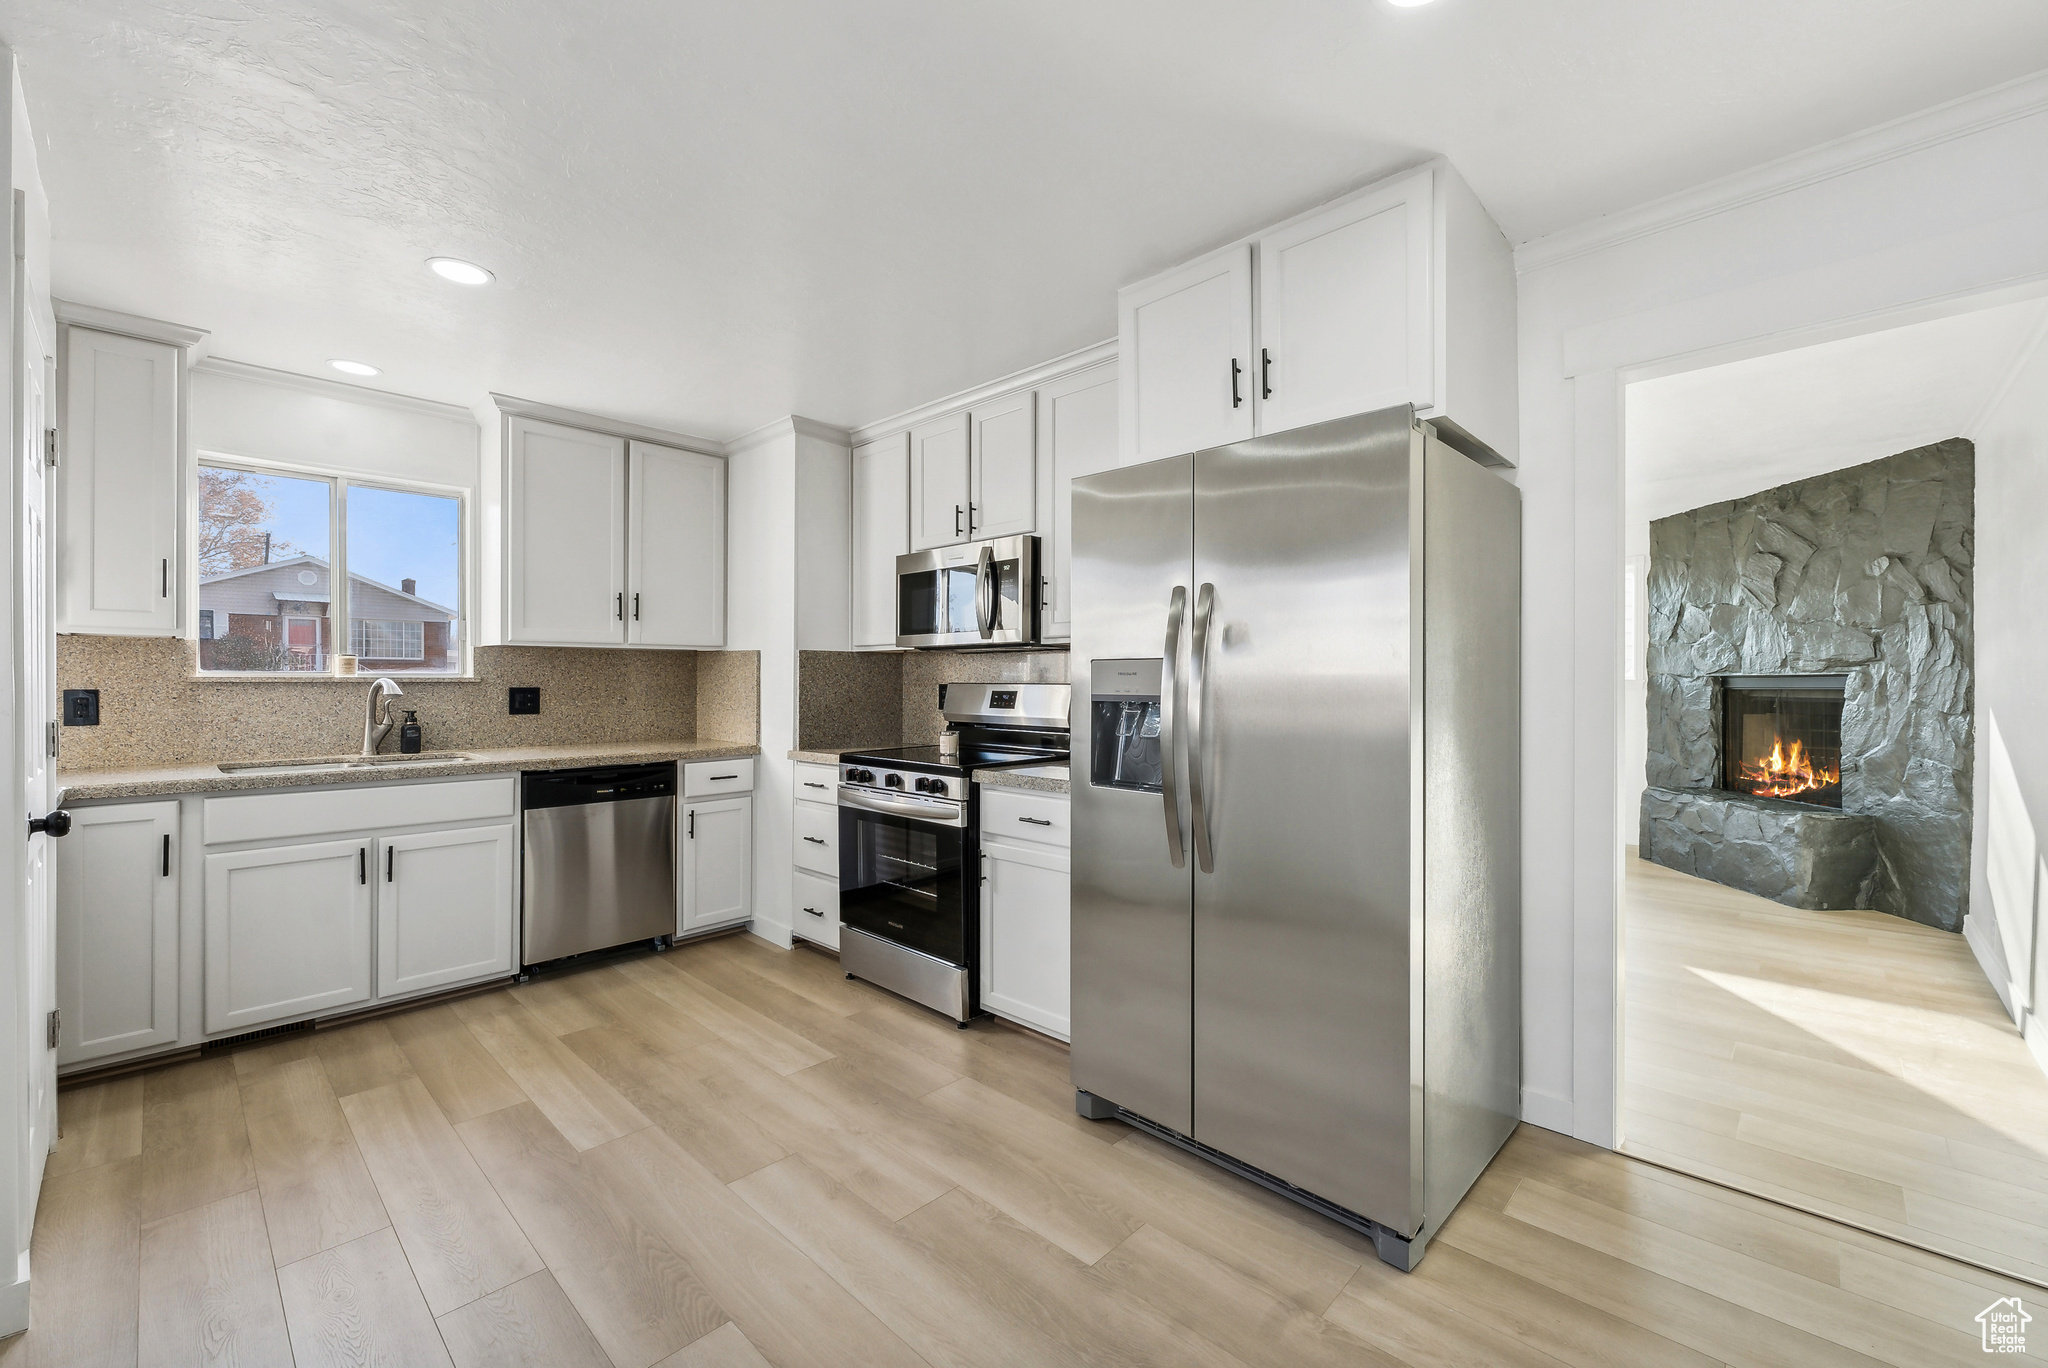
[311,677]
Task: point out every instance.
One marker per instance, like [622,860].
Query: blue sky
[392,535]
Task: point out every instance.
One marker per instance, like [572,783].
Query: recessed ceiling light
[460,271]
[1406,4]
[355,367]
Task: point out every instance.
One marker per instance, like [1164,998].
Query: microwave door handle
[1198,679]
[1169,777]
[984,593]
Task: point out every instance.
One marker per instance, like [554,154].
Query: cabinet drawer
[287,815]
[817,783]
[708,778]
[1019,816]
[817,839]
[817,909]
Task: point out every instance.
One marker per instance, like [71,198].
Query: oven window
[903,881]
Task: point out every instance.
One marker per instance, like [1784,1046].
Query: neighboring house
[246,617]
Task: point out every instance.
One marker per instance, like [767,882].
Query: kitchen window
[293,563]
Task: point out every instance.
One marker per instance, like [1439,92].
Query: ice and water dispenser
[1124,749]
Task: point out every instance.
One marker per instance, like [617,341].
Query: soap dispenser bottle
[409,735]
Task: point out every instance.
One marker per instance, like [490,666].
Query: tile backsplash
[153,711]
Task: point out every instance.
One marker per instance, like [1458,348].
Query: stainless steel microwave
[976,594]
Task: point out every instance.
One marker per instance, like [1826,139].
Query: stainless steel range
[909,842]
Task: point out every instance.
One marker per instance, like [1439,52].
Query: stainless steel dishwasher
[600,859]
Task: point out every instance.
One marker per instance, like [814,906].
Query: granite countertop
[1036,778]
[79,786]
[825,756]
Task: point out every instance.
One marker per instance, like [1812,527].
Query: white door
[1345,309]
[1004,489]
[675,594]
[1026,947]
[881,533]
[1077,435]
[117,930]
[718,860]
[938,482]
[120,485]
[444,908]
[35,692]
[287,933]
[565,535]
[1184,355]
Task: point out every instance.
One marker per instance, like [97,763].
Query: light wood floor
[730,1155]
[1854,1063]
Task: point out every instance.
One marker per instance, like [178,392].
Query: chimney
[409,586]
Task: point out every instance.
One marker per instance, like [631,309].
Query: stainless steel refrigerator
[1296,850]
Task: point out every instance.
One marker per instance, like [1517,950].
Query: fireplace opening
[1781,737]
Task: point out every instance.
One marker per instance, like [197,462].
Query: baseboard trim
[1552,1111]
[1981,935]
[14,1300]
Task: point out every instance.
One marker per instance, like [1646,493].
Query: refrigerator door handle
[1169,778]
[1198,677]
[985,593]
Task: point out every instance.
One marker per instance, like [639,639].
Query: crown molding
[333,389]
[1028,378]
[132,325]
[1888,141]
[794,425]
[611,427]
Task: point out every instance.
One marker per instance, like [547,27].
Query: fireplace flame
[1787,772]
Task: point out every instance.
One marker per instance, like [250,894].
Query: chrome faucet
[377,722]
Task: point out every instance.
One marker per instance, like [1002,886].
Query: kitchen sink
[347,762]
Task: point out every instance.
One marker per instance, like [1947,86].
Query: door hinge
[50,445]
[56,1026]
[52,729]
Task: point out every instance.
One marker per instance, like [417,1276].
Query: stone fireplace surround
[1864,572]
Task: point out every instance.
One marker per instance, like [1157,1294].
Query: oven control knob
[922,784]
[893,780]
[938,786]
[861,776]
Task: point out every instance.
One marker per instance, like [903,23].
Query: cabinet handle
[1035,821]
[1236,397]
[636,605]
[362,864]
[167,854]
[691,832]
[970,517]
[619,608]
[812,783]
[167,579]
[721,778]
[814,911]
[387,863]
[958,511]
[1265,374]
[815,840]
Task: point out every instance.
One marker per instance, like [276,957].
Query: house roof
[322,598]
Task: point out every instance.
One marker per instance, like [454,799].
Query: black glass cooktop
[925,759]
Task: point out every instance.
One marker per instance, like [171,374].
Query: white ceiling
[1724,432]
[707,215]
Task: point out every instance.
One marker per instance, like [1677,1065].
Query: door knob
[56,824]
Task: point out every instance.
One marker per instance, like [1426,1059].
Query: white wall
[1945,211]
[2009,849]
[269,415]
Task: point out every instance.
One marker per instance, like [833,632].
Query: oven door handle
[937,811]
[985,592]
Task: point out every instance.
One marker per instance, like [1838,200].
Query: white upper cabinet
[1403,292]
[881,533]
[1002,493]
[676,586]
[565,535]
[118,570]
[1344,309]
[1077,435]
[1185,357]
[939,481]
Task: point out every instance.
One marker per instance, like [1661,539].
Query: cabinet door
[938,483]
[117,930]
[881,533]
[718,861]
[287,933]
[1003,493]
[565,534]
[1077,436]
[1026,940]
[676,590]
[119,534]
[1345,309]
[1184,354]
[444,908]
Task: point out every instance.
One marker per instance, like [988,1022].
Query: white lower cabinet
[817,908]
[441,908]
[287,933]
[718,862]
[117,879]
[1026,937]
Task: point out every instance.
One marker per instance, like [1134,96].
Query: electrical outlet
[82,707]
[525,701]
